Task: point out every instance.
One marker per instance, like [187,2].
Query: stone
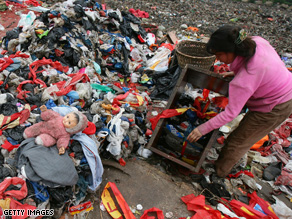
[269,3]
[183,26]
[285,6]
[159,34]
[161,28]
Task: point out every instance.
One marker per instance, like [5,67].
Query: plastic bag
[144,152]
[46,95]
[281,209]
[159,62]
[116,134]
[101,87]
[226,211]
[288,166]
[26,20]
[84,90]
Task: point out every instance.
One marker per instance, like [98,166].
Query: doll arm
[49,114]
[63,142]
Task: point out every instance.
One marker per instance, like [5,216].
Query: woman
[261,82]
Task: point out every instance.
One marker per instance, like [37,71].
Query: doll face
[69,120]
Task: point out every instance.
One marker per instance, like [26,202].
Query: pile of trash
[76,56]
[111,66]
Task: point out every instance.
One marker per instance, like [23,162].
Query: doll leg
[45,140]
[32,131]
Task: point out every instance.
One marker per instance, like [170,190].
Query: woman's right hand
[195,135]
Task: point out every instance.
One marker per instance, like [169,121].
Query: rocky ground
[271,22]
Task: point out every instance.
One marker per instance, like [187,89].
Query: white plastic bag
[115,137]
[281,209]
[46,95]
[26,20]
[159,62]
[84,90]
[226,211]
[150,39]
[144,152]
[288,166]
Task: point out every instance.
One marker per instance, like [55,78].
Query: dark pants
[253,127]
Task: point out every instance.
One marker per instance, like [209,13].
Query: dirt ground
[142,183]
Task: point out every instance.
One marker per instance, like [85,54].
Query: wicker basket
[193,52]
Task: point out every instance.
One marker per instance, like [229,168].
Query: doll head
[70,120]
[75,122]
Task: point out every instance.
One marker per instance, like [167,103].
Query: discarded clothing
[35,162]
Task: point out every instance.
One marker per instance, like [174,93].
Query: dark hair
[223,40]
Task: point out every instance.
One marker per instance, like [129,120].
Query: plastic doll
[56,129]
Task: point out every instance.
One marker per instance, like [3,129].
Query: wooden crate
[199,78]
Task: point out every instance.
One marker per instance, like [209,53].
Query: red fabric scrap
[90,129]
[15,194]
[4,63]
[168,46]
[8,146]
[284,179]
[102,13]
[122,162]
[197,204]
[22,115]
[33,71]
[221,140]
[19,54]
[220,101]
[65,87]
[246,172]
[282,155]
[141,39]
[6,86]
[58,52]
[148,214]
[32,2]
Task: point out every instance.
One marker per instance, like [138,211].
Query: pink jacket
[265,83]
[52,125]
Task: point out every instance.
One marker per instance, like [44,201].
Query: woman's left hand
[195,135]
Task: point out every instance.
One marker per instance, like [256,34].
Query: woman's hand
[227,74]
[195,135]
